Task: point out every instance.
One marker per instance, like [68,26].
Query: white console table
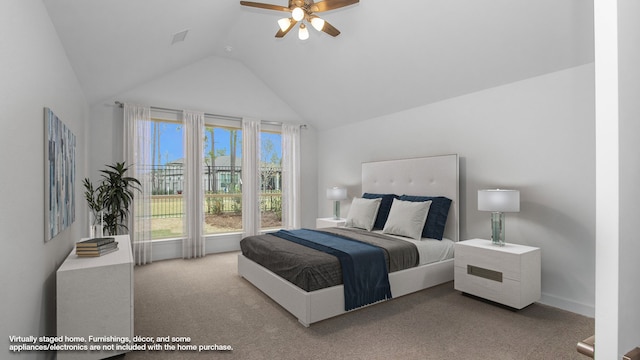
[95,297]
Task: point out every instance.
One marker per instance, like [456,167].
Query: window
[167,159]
[271,180]
[221,180]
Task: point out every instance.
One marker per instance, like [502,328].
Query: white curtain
[193,245]
[137,154]
[250,176]
[290,176]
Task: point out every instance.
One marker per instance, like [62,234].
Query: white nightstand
[329,222]
[508,274]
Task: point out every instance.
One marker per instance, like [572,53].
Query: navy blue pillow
[383,211]
[438,213]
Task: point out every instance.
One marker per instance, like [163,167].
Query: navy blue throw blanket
[364,269]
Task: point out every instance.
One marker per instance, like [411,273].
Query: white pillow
[407,218]
[362,213]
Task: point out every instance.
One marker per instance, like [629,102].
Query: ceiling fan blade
[281,33]
[329,29]
[327,5]
[265,6]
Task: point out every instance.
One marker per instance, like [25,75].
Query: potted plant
[112,196]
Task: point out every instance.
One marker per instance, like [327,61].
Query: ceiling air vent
[179,37]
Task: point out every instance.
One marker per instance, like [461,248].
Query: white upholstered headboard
[427,176]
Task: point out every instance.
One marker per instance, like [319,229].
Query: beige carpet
[206,300]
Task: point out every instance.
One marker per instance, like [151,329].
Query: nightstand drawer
[506,292]
[505,263]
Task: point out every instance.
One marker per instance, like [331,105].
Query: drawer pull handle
[484,273]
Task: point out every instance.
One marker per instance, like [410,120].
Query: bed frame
[435,176]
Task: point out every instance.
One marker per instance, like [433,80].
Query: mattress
[312,270]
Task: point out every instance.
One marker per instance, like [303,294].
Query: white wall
[535,135]
[35,73]
[629,107]
[608,179]
[214,85]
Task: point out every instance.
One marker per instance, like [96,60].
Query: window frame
[227,125]
[175,117]
[157,117]
[271,129]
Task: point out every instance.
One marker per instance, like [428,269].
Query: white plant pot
[95,231]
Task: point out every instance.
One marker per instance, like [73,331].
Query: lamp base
[336,210]
[497,228]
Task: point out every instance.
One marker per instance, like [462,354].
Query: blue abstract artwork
[60,175]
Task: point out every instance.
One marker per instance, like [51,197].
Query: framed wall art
[60,175]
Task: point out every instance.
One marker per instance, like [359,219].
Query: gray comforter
[311,269]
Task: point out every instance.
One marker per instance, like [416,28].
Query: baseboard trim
[568,305]
[172,249]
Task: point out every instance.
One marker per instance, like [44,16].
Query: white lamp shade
[297,14]
[336,193]
[303,33]
[317,23]
[284,23]
[499,200]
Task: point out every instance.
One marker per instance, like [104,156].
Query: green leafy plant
[113,196]
[94,199]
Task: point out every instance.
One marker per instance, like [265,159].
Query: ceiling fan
[301,11]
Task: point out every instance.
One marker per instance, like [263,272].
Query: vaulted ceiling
[390,56]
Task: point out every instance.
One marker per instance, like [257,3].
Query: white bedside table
[329,222]
[508,275]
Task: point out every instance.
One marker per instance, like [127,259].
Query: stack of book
[96,246]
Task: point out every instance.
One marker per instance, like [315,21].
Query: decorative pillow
[438,213]
[385,207]
[362,213]
[407,218]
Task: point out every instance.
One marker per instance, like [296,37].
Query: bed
[428,176]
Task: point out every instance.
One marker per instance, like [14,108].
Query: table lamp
[498,201]
[336,194]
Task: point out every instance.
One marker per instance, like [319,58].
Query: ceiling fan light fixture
[303,11]
[303,33]
[284,23]
[317,23]
[297,14]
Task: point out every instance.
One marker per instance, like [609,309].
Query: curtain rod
[225,117]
